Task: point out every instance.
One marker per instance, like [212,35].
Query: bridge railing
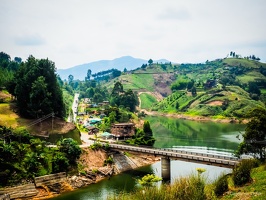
[202,154]
[150,149]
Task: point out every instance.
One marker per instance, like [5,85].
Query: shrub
[96,146]
[191,187]
[241,173]
[220,185]
[108,161]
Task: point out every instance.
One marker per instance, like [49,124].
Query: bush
[220,185]
[241,173]
[108,161]
[96,146]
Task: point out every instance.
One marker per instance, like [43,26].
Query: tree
[88,74]
[70,78]
[118,88]
[71,148]
[18,59]
[37,79]
[253,88]
[194,91]
[40,98]
[148,136]
[255,135]
[4,58]
[150,61]
[176,105]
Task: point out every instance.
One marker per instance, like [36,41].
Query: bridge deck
[209,159]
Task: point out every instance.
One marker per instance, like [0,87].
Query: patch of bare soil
[142,159]
[4,95]
[215,103]
[92,159]
[50,126]
[162,83]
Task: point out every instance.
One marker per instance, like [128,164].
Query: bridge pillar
[165,167]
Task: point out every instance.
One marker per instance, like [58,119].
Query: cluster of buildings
[118,131]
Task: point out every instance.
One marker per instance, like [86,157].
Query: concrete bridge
[168,154]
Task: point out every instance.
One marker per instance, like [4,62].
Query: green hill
[227,87]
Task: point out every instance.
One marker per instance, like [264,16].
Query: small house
[92,130]
[123,130]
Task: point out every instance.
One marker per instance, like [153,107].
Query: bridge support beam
[165,167]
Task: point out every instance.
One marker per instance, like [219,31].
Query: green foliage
[24,157]
[126,99]
[181,83]
[184,188]
[147,101]
[108,161]
[254,136]
[59,162]
[149,180]
[37,90]
[221,185]
[242,172]
[70,148]
[150,61]
[96,146]
[143,136]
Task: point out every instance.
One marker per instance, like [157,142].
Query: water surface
[206,137]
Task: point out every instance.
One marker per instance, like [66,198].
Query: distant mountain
[80,71]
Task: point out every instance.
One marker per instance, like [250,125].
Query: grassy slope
[147,100]
[256,190]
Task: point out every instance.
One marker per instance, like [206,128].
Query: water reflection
[170,132]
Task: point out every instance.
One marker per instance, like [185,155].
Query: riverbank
[196,117]
[92,170]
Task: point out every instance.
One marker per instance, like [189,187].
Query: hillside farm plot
[251,77]
[147,100]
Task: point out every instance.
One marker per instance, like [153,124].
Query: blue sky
[72,32]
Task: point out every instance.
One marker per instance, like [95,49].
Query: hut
[123,130]
[92,130]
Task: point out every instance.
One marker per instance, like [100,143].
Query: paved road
[75,106]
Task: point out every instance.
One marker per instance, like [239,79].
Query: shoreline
[79,181]
[196,117]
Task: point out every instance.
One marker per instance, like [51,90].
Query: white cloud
[75,32]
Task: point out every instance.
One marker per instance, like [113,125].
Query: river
[207,137]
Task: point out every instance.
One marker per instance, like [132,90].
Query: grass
[243,62]
[147,100]
[263,91]
[256,190]
[134,82]
[251,76]
[7,116]
[195,186]
[184,188]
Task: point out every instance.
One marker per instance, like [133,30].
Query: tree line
[34,84]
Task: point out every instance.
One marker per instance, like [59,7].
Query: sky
[74,32]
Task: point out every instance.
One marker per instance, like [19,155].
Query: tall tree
[255,135]
[88,74]
[70,78]
[40,98]
[29,87]
[150,61]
